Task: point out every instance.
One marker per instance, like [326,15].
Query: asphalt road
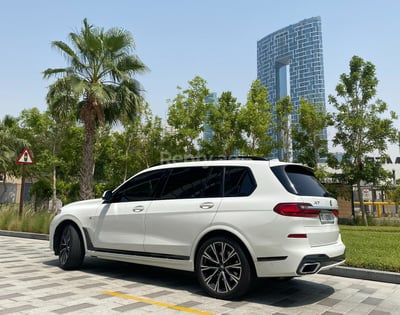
[32,283]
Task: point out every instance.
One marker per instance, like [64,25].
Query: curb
[36,236]
[339,271]
[363,274]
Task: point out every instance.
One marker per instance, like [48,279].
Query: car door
[120,224]
[187,205]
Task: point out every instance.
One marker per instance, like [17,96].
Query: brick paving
[32,283]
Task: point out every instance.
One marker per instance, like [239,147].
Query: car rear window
[299,180]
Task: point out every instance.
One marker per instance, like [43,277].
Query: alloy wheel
[65,245]
[221,267]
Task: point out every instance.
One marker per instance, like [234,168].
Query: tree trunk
[86,181]
[360,198]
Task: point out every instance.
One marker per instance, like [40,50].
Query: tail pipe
[309,268]
[313,263]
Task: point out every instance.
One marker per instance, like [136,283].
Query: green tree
[283,111]
[308,142]
[223,120]
[120,156]
[11,144]
[98,86]
[128,150]
[41,192]
[102,158]
[37,128]
[186,116]
[150,142]
[70,142]
[361,131]
[141,143]
[256,119]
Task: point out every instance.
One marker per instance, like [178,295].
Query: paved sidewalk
[341,271]
[32,283]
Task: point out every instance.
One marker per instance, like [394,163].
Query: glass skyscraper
[290,63]
[210,99]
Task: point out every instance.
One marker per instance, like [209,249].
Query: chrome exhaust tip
[310,268]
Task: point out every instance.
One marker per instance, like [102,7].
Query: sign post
[23,159]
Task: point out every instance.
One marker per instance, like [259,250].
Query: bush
[31,221]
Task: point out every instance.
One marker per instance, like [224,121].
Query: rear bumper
[313,263]
[301,260]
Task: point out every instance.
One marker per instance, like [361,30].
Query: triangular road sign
[25,157]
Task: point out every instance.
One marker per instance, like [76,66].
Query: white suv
[227,220]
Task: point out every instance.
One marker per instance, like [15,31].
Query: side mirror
[107,196]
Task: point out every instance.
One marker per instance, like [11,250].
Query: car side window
[239,181]
[141,187]
[193,182]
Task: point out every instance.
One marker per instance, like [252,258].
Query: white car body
[169,232]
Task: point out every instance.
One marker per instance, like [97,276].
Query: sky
[180,39]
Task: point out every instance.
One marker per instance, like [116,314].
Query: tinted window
[141,187]
[239,181]
[299,180]
[193,182]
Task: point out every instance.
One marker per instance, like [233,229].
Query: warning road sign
[25,157]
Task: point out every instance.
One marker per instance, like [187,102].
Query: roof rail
[248,157]
[214,158]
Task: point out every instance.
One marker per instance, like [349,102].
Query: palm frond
[57,71]
[99,76]
[118,40]
[132,65]
[63,95]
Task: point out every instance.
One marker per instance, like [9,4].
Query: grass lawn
[373,247]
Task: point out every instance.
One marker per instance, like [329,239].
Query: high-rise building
[210,99]
[290,63]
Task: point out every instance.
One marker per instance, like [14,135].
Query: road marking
[153,302]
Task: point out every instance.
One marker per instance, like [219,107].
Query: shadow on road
[275,292]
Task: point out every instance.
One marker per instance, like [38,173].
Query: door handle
[138,209]
[207,205]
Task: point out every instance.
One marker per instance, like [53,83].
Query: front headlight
[58,211]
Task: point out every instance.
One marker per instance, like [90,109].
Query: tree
[10,146]
[361,131]
[139,146]
[223,120]
[150,142]
[98,85]
[256,119]
[186,116]
[308,142]
[41,191]
[283,111]
[47,138]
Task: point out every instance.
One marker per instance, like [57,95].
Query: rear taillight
[296,210]
[335,213]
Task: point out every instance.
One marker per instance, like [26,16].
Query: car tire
[70,249]
[223,269]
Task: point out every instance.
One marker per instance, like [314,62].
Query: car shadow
[268,291]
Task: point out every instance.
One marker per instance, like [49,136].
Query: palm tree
[98,86]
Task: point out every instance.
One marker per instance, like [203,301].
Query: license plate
[326,218]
